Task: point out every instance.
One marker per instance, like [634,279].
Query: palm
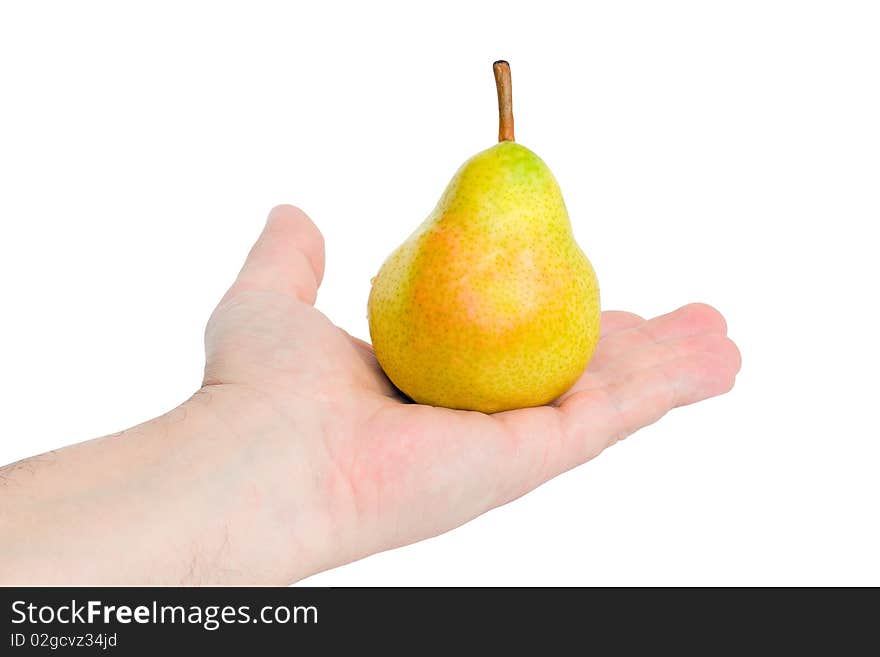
[410,470]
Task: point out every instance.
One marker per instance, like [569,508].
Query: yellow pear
[490,304]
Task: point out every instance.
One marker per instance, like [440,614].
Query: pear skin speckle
[490,304]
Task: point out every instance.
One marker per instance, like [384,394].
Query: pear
[490,304]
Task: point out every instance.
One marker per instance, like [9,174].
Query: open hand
[358,467]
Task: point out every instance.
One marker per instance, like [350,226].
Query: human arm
[297,454]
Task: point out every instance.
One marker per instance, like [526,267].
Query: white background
[722,152]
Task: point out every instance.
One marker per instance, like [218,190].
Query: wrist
[218,490]
[263,481]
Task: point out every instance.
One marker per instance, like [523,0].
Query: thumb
[288,257]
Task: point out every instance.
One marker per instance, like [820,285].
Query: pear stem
[505,100]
